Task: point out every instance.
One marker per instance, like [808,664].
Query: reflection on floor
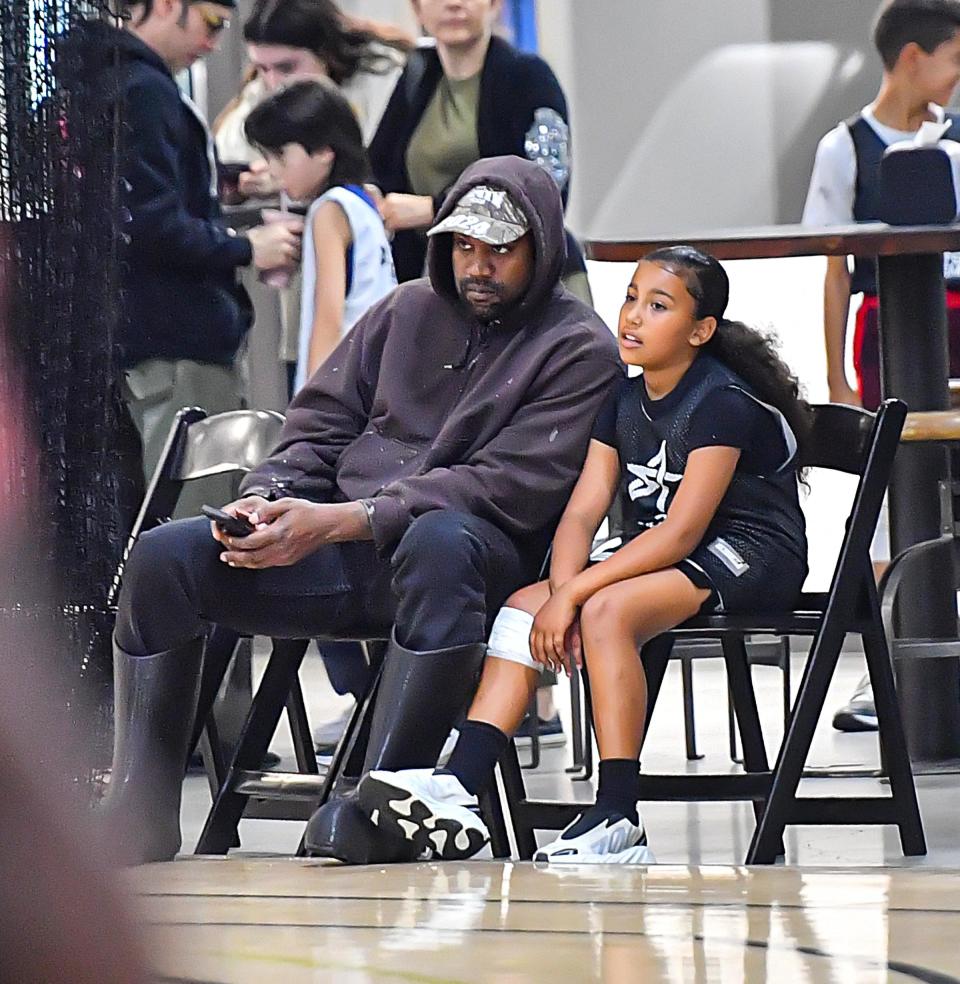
[847,907]
[256,920]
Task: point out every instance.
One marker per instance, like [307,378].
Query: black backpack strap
[954,132]
[860,133]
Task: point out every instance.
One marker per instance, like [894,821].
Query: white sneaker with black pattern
[599,836]
[430,809]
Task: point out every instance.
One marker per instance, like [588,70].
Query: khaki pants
[155,390]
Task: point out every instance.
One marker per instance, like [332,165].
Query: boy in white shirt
[919,44]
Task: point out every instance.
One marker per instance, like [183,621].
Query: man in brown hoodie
[417,483]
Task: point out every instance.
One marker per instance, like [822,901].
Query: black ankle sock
[619,787]
[475,755]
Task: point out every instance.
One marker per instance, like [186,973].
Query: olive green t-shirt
[445,140]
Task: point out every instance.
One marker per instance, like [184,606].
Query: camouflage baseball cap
[487,214]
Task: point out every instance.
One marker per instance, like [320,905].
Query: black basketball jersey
[758,512]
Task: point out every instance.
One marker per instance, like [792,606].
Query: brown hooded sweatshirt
[422,407]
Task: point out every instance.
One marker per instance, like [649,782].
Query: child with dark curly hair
[702,448]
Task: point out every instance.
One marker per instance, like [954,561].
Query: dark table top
[764,242]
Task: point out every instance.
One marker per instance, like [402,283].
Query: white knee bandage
[510,637]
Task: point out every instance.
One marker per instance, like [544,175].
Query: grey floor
[694,833]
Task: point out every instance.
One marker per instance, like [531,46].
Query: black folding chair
[760,652]
[197,447]
[843,439]
[246,791]
[295,796]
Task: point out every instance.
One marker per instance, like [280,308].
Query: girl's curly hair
[752,355]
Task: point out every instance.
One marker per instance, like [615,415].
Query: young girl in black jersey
[702,450]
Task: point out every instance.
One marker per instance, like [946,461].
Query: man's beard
[494,290]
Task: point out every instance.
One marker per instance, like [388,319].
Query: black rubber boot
[155,702]
[420,697]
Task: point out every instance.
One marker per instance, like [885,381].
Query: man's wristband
[368,509]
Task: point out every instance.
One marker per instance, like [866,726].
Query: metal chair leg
[893,744]
[689,720]
[587,774]
[748,717]
[654,655]
[300,731]
[533,717]
[576,721]
[217,654]
[351,748]
[785,669]
[223,820]
[516,795]
[491,809]
[821,664]
[732,730]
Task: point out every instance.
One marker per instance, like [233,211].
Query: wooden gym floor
[258,919]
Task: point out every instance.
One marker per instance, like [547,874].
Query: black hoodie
[180,295]
[421,407]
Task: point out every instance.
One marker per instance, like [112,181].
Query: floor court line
[496,900]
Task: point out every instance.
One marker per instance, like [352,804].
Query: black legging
[441,588]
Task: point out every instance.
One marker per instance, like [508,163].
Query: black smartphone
[231,525]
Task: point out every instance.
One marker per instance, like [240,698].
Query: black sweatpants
[441,588]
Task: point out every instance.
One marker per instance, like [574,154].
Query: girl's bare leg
[614,623]
[505,687]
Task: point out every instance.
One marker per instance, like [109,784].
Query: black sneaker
[551,732]
[859,713]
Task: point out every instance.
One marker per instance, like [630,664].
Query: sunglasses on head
[215,22]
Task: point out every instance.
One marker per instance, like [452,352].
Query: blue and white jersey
[370,273]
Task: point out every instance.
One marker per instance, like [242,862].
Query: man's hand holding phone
[225,523]
[235,521]
[288,530]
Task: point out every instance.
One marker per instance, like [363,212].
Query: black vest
[869,149]
[762,511]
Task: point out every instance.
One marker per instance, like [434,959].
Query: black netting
[59,191]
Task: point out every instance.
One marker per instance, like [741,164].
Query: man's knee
[168,550]
[441,542]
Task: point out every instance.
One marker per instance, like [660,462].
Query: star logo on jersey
[654,479]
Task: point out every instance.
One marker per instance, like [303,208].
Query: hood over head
[536,193]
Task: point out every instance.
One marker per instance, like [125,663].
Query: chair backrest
[839,438]
[198,446]
[858,442]
[227,442]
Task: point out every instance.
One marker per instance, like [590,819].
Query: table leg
[915,367]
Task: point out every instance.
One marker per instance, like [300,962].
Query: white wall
[703,113]
[397,12]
